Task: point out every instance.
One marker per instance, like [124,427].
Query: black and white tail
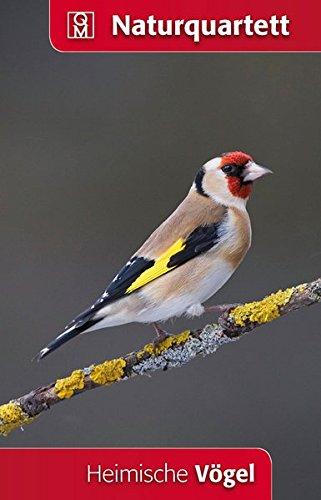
[80,324]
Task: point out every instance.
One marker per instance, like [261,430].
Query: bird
[186,260]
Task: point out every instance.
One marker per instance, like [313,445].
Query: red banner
[184,25]
[156,473]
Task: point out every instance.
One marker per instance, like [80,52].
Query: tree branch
[173,352]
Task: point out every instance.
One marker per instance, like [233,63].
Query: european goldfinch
[186,259]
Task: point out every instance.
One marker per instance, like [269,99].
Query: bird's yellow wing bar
[160,266]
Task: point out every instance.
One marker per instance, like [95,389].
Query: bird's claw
[161,335]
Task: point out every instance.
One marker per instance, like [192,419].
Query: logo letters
[80,25]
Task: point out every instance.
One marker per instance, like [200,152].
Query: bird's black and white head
[228,178]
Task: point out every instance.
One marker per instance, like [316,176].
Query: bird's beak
[252,171]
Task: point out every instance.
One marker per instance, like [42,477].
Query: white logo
[81,25]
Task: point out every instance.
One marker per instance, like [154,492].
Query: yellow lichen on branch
[167,343]
[66,387]
[108,372]
[12,417]
[262,311]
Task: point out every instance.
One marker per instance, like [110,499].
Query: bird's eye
[229,169]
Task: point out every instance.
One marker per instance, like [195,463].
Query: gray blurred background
[96,150]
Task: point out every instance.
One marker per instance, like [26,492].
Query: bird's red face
[240,171]
[229,178]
